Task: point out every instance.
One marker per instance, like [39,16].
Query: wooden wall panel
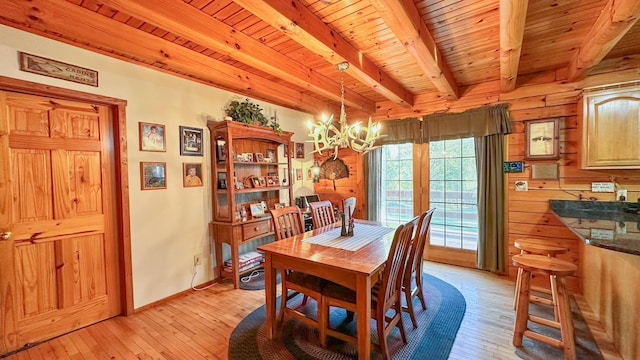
[347,187]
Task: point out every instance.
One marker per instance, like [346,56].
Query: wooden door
[58,263]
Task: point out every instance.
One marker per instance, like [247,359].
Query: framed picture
[259,157]
[271,155]
[221,152]
[256,209]
[153,175]
[299,150]
[299,174]
[262,180]
[151,137]
[273,181]
[542,139]
[286,151]
[249,157]
[255,181]
[192,174]
[191,141]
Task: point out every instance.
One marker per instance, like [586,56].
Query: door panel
[58,267]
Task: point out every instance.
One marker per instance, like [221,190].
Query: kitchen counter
[604,224]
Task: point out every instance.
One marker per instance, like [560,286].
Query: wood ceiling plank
[513,14]
[617,17]
[405,21]
[190,23]
[297,22]
[76,25]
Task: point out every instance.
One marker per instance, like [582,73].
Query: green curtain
[372,167]
[487,125]
[394,132]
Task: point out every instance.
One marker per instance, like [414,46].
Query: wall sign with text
[57,69]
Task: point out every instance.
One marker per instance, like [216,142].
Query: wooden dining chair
[412,278]
[385,295]
[348,207]
[322,213]
[288,222]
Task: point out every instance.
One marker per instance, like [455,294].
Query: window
[453,191]
[396,202]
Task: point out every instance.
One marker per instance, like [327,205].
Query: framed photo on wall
[190,141]
[153,175]
[152,137]
[299,150]
[192,173]
[542,139]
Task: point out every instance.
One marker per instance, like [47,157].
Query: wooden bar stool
[528,246]
[556,269]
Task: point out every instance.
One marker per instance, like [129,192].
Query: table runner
[362,235]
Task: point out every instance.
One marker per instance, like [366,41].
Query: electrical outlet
[621,195]
[197,260]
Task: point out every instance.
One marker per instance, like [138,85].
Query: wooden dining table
[357,269]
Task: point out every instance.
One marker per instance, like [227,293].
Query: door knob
[5,235]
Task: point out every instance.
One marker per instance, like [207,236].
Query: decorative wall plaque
[57,69]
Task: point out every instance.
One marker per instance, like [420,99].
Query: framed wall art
[153,175]
[299,150]
[542,139]
[192,173]
[190,141]
[152,137]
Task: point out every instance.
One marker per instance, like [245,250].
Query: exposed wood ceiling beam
[403,18]
[513,14]
[297,22]
[617,17]
[78,26]
[190,23]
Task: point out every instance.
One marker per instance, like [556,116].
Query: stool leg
[566,320]
[554,297]
[517,289]
[522,311]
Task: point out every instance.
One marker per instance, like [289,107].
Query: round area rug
[254,280]
[433,339]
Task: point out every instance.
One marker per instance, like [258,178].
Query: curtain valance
[479,122]
[400,131]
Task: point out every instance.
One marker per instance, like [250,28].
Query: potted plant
[250,113]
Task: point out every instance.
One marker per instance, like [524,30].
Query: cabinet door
[612,129]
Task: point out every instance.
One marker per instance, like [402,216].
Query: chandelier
[326,136]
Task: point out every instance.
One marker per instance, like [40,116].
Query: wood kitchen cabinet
[249,166]
[610,128]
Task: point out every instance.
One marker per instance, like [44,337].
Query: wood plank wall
[346,187]
[543,96]
[529,214]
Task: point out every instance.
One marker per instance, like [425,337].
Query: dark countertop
[604,224]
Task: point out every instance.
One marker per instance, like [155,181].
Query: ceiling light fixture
[326,136]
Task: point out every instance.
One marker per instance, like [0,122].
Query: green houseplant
[250,113]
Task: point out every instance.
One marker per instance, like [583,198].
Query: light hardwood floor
[198,324]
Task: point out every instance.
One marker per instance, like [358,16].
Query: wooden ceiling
[285,52]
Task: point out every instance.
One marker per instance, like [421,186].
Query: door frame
[117,109]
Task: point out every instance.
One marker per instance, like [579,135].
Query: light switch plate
[602,187]
[522,186]
[621,195]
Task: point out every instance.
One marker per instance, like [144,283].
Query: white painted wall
[170,226]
